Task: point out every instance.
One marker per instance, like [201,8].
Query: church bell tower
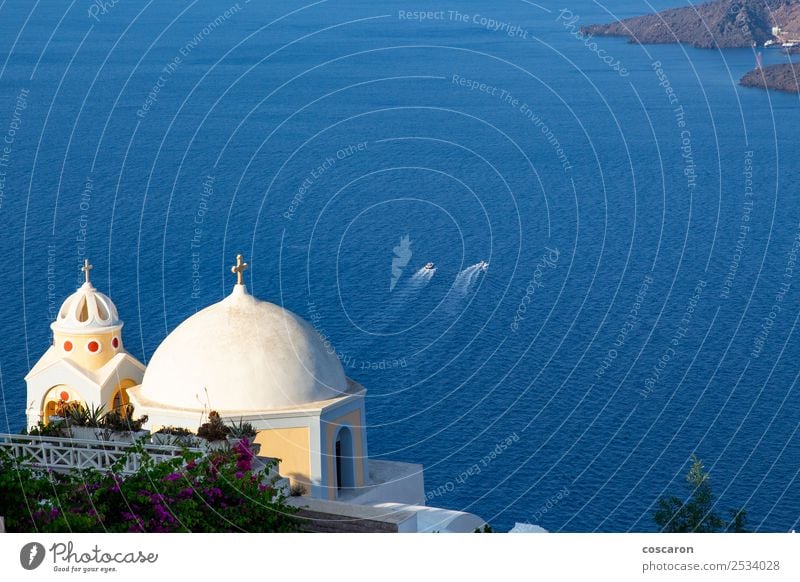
[87,362]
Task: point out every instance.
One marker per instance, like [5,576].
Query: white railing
[64,454]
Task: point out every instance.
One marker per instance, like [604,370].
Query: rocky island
[778,77]
[720,24]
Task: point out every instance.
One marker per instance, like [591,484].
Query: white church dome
[87,310]
[242,355]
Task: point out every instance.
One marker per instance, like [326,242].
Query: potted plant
[215,432]
[120,425]
[84,421]
[172,435]
[242,431]
[62,412]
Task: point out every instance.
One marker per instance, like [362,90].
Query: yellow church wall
[353,421]
[80,353]
[293,447]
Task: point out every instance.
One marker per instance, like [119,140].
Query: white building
[87,361]
[250,361]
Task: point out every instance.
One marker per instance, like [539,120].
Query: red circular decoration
[64,396]
[115,342]
[67,346]
[93,346]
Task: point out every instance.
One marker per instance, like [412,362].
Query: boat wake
[413,285]
[466,279]
[421,278]
[463,285]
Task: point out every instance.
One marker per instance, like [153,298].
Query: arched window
[49,410]
[119,400]
[345,465]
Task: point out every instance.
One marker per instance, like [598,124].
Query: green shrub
[219,492]
[697,513]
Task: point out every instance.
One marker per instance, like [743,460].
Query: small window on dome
[67,346]
[102,311]
[83,310]
[115,342]
[93,346]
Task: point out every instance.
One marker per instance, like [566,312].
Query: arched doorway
[57,395]
[344,461]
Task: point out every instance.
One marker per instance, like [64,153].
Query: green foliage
[174,431]
[242,429]
[219,492]
[78,414]
[122,420]
[55,429]
[94,416]
[486,529]
[675,515]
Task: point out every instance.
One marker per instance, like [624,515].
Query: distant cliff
[722,24]
[778,77]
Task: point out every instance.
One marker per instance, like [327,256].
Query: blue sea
[638,210]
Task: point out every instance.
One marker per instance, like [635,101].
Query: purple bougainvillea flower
[244,459]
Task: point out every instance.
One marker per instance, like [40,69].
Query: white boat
[483,266]
[429,266]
